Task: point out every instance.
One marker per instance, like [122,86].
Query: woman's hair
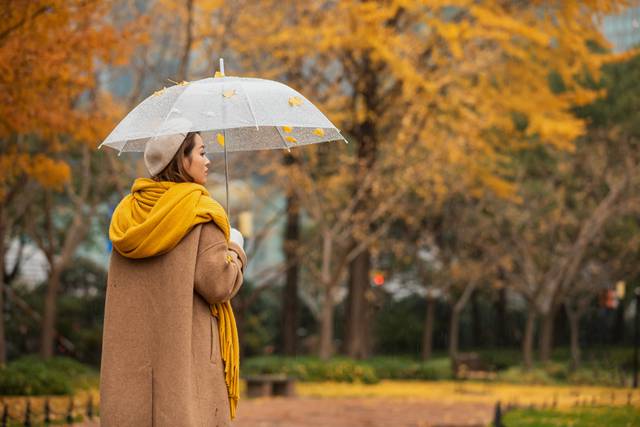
[174,171]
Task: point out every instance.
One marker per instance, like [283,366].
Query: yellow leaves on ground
[290,138]
[287,129]
[318,131]
[451,391]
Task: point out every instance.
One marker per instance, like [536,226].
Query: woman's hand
[236,237]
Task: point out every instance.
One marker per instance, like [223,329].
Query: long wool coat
[161,361]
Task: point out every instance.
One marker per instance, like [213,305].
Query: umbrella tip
[220,72]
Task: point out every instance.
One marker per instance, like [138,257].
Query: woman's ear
[186,161]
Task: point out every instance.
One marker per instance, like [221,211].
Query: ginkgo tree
[463,83]
[50,104]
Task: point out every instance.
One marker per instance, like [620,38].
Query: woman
[170,349]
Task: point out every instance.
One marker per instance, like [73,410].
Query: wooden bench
[470,366]
[270,385]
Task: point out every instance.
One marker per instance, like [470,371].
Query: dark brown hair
[174,171]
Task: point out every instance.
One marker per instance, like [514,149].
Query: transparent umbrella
[231,114]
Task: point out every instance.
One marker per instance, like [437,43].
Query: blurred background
[482,223]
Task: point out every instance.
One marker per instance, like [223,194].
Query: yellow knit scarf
[151,221]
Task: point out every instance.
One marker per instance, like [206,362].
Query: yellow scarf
[151,221]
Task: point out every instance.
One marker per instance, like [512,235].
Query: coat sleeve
[219,266]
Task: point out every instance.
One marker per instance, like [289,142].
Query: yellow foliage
[49,56]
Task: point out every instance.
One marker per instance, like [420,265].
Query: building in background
[623,30]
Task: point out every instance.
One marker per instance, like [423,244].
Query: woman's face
[197,164]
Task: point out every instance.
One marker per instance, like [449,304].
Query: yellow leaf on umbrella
[183,83]
[220,139]
[290,139]
[229,93]
[318,131]
[159,92]
[218,74]
[287,129]
[295,101]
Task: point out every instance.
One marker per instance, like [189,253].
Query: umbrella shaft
[226,179]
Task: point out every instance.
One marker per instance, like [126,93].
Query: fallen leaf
[220,139]
[287,129]
[318,131]
[290,139]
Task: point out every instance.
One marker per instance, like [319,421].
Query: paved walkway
[355,412]
[359,412]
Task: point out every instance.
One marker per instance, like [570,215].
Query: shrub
[347,370]
[32,376]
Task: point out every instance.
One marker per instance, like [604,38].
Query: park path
[355,412]
[359,412]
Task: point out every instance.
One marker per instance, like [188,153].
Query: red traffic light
[378,279]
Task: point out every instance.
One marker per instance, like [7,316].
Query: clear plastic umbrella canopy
[231,114]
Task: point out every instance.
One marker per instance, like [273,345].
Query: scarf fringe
[230,351]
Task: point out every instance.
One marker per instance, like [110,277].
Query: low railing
[28,416]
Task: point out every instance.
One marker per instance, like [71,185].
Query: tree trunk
[357,325]
[547,329]
[476,322]
[290,294]
[240,308]
[618,325]
[326,326]
[501,318]
[574,329]
[527,339]
[454,329]
[427,336]
[47,342]
[357,338]
[188,42]
[454,325]
[3,349]
[325,349]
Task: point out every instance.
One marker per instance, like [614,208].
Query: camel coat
[161,363]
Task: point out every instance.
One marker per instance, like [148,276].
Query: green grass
[582,417]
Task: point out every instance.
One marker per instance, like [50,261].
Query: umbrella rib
[244,92]
[284,141]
